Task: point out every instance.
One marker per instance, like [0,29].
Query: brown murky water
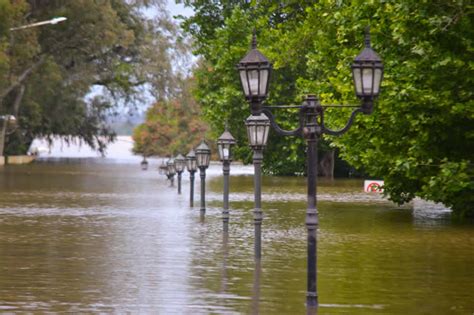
[95,237]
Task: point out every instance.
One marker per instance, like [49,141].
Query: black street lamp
[203,156]
[224,144]
[367,72]
[163,168]
[170,170]
[144,164]
[180,164]
[191,165]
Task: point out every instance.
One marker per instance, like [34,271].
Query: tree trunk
[326,165]
[3,129]
[18,99]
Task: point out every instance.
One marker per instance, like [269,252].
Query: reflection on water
[108,237]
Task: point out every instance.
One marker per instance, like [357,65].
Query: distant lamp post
[254,70]
[144,164]
[170,170]
[225,143]
[191,165]
[162,169]
[203,156]
[180,164]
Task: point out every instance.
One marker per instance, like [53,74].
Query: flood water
[107,237]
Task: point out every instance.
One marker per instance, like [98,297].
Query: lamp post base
[311,300]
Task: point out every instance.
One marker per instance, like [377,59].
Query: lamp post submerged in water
[191,165]
[254,70]
[144,164]
[170,170]
[163,168]
[258,127]
[203,156]
[180,164]
[224,144]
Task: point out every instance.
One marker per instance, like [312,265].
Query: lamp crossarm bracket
[284,106]
[278,129]
[344,129]
[343,106]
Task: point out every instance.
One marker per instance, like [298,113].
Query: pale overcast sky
[177,9]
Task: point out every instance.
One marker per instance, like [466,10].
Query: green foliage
[170,127]
[419,138]
[64,80]
[222,40]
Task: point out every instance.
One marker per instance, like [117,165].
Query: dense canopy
[420,137]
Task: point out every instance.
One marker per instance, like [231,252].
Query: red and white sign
[373,186]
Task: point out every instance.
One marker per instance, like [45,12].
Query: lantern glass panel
[226,152]
[377,80]
[253,82]
[180,163]
[251,134]
[261,135]
[244,81]
[202,159]
[220,147]
[357,80]
[263,81]
[191,164]
[367,80]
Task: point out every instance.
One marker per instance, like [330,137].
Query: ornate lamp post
[203,156]
[162,169]
[254,71]
[180,164]
[170,170]
[144,164]
[191,165]
[224,144]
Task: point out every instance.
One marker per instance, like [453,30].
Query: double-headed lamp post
[225,143]
[203,156]
[254,70]
[170,170]
[191,165]
[180,164]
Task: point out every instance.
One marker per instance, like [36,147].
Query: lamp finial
[367,37]
[254,39]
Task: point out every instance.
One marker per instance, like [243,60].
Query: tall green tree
[419,138]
